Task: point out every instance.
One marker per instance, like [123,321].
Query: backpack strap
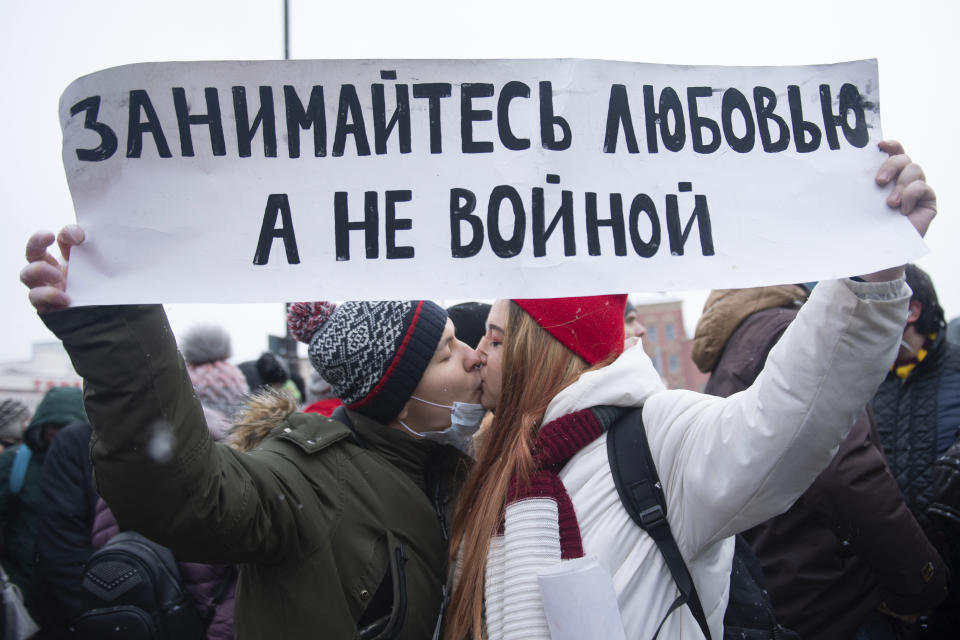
[18,472]
[641,494]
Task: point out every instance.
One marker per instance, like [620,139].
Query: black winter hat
[931,318]
[272,369]
[469,321]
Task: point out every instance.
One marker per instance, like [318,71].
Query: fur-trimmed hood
[263,412]
[725,309]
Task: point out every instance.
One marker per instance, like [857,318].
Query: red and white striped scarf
[556,443]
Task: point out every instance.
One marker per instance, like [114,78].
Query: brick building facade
[668,346]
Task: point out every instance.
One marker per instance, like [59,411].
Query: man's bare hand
[44,275]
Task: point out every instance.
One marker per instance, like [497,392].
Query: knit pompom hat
[591,327]
[373,354]
[220,385]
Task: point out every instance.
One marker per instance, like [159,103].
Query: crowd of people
[457,477]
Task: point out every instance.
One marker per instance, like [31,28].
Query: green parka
[339,531]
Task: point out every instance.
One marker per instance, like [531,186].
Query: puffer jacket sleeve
[731,463]
[154,461]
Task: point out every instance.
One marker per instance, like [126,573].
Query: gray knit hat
[13,419]
[205,343]
[373,354]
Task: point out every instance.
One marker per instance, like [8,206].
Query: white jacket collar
[627,382]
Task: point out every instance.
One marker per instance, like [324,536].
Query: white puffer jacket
[726,464]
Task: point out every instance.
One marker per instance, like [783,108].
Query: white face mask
[903,343]
[465,419]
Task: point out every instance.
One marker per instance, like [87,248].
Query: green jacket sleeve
[155,463]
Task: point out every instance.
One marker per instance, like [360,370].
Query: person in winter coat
[211,586]
[339,526]
[63,535]
[204,582]
[849,544]
[320,398]
[19,511]
[632,327]
[270,371]
[918,412]
[918,404]
[221,386]
[542,494]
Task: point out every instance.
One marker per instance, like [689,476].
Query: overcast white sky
[44,45]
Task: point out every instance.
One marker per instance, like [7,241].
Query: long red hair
[536,367]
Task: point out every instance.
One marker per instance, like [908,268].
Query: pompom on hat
[591,326]
[373,354]
[306,318]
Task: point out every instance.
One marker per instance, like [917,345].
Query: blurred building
[28,380]
[667,343]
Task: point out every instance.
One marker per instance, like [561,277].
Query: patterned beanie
[591,327]
[373,354]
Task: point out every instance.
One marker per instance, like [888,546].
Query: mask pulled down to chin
[465,419]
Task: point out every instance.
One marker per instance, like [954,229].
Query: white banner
[392,179]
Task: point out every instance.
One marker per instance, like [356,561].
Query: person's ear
[915,308]
[403,412]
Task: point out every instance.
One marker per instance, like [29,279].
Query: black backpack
[132,589]
[749,614]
